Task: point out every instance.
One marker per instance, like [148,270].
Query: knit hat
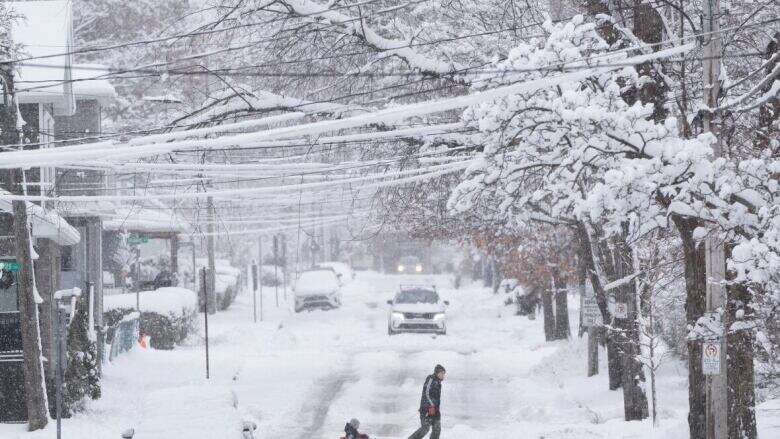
[438,368]
[354,423]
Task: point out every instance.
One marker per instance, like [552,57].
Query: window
[8,292]
[66,259]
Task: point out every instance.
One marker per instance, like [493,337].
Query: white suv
[417,309]
[317,289]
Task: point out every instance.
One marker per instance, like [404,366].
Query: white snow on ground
[303,376]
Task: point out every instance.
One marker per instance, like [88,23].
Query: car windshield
[417,296]
[322,279]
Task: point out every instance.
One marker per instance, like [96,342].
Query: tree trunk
[549,316]
[34,386]
[587,251]
[35,389]
[614,363]
[740,371]
[695,305]
[562,329]
[634,398]
[593,351]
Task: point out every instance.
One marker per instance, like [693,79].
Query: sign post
[254,290]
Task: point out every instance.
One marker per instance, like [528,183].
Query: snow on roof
[141,219]
[71,209]
[90,82]
[46,35]
[45,223]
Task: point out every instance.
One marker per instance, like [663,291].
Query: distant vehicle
[409,264]
[342,269]
[318,288]
[417,308]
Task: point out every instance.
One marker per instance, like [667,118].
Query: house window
[8,292]
[66,259]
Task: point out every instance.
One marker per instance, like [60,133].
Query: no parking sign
[710,358]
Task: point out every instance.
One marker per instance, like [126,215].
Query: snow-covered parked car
[343,270]
[417,308]
[318,288]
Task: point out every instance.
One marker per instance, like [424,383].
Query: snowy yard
[304,375]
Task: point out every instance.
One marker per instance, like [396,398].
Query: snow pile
[164,301]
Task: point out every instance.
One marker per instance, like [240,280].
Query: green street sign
[137,240]
[10,266]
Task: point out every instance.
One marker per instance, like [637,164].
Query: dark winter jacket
[352,433]
[431,395]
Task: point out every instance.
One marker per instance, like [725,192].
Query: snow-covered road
[302,376]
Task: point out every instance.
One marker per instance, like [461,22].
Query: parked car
[343,270]
[318,288]
[410,264]
[417,309]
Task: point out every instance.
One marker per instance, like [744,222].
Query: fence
[124,334]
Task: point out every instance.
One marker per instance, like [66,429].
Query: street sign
[591,314]
[710,358]
[137,240]
[10,266]
[621,310]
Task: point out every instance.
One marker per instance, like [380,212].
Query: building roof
[90,82]
[46,36]
[45,223]
[145,220]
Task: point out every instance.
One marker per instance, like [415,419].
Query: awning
[45,223]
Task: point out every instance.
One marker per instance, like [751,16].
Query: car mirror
[447,302]
[389,302]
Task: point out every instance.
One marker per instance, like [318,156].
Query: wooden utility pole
[37,403]
[715,256]
[211,296]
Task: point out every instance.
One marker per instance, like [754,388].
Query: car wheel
[390,331]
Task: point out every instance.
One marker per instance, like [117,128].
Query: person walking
[430,405]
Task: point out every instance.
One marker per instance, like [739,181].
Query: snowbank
[171,300]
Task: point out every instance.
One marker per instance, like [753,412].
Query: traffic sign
[710,358]
[10,266]
[591,314]
[137,240]
[621,310]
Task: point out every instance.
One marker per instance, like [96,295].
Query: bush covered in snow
[168,315]
[82,378]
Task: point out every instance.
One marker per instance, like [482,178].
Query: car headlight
[400,268]
[418,268]
[438,316]
[398,315]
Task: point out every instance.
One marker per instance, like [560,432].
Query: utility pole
[260,271]
[253,273]
[204,286]
[211,296]
[37,402]
[716,407]
[276,268]
[284,266]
